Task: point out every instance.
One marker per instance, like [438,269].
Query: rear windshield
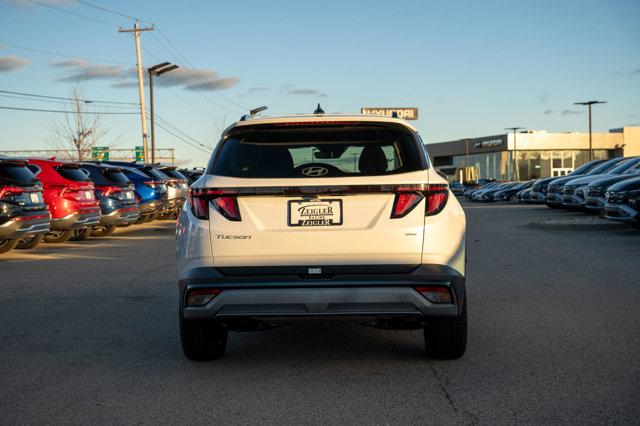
[72,173]
[155,173]
[317,151]
[16,173]
[115,176]
[174,174]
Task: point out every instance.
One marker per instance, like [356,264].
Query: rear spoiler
[13,161]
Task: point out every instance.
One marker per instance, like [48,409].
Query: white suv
[321,215]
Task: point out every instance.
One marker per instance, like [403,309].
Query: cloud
[195,80]
[306,92]
[572,112]
[549,111]
[81,70]
[631,73]
[12,63]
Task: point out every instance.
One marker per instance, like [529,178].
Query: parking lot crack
[448,396]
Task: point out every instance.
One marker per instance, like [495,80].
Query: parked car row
[610,188]
[55,200]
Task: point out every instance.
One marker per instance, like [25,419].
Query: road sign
[140,153]
[408,113]
[100,153]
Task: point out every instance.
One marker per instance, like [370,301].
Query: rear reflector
[435,294]
[201,296]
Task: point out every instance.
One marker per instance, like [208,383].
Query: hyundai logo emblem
[314,171]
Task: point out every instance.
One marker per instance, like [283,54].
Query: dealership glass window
[531,164]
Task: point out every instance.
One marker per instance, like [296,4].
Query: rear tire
[30,242]
[203,340]
[81,234]
[56,237]
[103,231]
[446,338]
[7,245]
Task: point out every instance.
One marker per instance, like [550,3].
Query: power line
[74,14]
[182,139]
[57,102]
[89,101]
[104,9]
[67,112]
[28,49]
[195,71]
[176,129]
[202,94]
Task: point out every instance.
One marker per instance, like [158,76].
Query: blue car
[115,192]
[149,186]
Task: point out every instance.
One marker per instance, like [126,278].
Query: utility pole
[136,31]
[156,70]
[514,160]
[588,104]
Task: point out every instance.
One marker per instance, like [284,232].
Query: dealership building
[538,153]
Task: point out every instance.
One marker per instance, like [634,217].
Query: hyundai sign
[406,113]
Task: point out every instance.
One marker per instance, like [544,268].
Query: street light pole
[514,160]
[155,71]
[589,104]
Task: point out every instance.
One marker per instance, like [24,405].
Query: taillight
[111,191]
[71,194]
[437,196]
[224,201]
[408,197]
[435,294]
[201,296]
[8,191]
[404,203]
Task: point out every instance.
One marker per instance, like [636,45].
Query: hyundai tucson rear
[24,217]
[115,193]
[321,216]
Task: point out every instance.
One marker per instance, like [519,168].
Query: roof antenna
[319,109]
[257,110]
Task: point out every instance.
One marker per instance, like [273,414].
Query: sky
[471,67]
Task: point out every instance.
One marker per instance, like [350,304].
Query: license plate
[315,212]
[88,195]
[35,198]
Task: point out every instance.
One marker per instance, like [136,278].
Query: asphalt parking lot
[89,334]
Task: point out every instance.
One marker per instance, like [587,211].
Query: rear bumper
[263,292]
[152,206]
[119,216]
[76,221]
[21,226]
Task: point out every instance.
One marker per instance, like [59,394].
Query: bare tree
[74,134]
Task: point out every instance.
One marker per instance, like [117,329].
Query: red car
[69,193]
